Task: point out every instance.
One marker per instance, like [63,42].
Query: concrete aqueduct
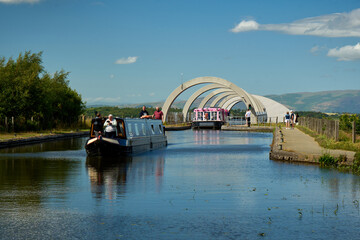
[224,94]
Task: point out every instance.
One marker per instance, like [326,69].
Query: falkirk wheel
[226,95]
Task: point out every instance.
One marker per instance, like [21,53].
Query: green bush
[28,91]
[328,160]
[356,163]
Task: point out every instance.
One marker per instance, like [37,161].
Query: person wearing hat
[110,127]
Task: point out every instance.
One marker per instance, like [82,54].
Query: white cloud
[112,76]
[314,49]
[346,53]
[128,60]
[151,94]
[135,95]
[332,25]
[244,26]
[18,1]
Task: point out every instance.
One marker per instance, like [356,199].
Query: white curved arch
[195,95]
[230,106]
[221,104]
[212,94]
[219,97]
[274,109]
[248,99]
[231,100]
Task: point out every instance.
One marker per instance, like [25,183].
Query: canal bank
[39,139]
[243,128]
[295,146]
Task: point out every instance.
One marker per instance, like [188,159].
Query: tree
[29,91]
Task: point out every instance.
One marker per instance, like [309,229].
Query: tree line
[121,112]
[35,98]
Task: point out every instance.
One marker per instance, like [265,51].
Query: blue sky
[139,51]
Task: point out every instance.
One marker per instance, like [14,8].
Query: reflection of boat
[209,118]
[132,136]
[110,177]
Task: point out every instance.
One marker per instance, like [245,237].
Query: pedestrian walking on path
[287,120]
[247,117]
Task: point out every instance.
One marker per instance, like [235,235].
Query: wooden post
[6,124]
[353,131]
[277,120]
[12,124]
[336,130]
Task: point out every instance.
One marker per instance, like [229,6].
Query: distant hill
[328,101]
[340,101]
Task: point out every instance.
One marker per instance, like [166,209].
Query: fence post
[277,120]
[353,132]
[6,124]
[12,124]
[336,130]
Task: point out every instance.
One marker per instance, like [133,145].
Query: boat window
[212,116]
[160,128]
[136,129]
[143,129]
[152,129]
[121,128]
[130,129]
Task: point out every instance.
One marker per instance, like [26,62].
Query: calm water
[204,185]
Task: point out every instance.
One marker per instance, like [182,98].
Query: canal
[204,185]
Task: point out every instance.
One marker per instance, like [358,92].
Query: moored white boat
[212,118]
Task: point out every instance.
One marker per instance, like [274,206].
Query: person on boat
[110,127]
[247,117]
[144,113]
[98,125]
[158,114]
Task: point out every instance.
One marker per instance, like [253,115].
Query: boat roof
[210,109]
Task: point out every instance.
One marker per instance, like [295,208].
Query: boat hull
[113,147]
[102,147]
[206,124]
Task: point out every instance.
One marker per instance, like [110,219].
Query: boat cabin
[209,117]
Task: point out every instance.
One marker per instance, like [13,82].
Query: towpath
[299,146]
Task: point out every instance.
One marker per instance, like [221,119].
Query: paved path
[299,142]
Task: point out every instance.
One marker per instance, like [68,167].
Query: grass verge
[344,142]
[24,135]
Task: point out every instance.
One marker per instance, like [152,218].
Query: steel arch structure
[195,95]
[212,94]
[257,107]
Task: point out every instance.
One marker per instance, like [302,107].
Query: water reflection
[111,177]
[27,182]
[204,185]
[206,136]
[59,145]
